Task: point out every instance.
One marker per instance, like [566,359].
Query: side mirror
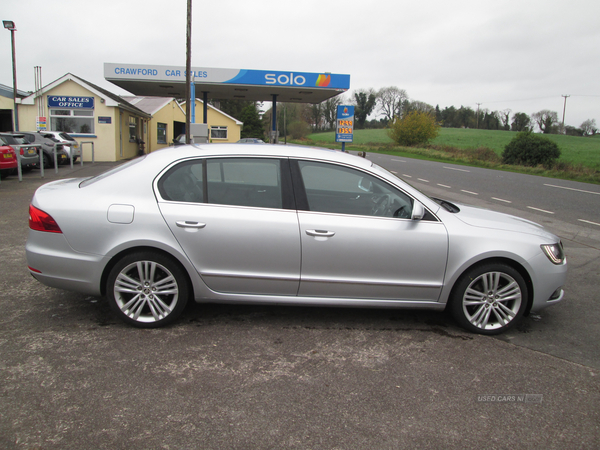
[418,211]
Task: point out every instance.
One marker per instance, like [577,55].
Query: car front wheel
[489,299]
[147,289]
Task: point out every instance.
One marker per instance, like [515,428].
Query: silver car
[284,225]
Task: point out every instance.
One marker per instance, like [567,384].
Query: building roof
[7,91]
[152,105]
[109,98]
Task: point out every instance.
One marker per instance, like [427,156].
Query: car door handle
[320,233]
[188,224]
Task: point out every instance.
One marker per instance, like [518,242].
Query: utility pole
[478,104]
[564,110]
[188,69]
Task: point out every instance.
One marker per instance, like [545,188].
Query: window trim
[90,118]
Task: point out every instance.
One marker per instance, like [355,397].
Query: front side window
[337,189]
[72,121]
[161,136]
[218,132]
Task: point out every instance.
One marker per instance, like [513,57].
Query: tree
[589,127]
[390,101]
[316,116]
[504,116]
[330,110]
[364,103]
[520,122]
[253,126]
[547,121]
[529,149]
[415,128]
[419,106]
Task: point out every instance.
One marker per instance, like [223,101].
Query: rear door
[234,219]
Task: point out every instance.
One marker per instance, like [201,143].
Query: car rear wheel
[147,289]
[489,299]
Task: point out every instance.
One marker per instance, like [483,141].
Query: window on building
[218,132]
[161,137]
[133,134]
[76,121]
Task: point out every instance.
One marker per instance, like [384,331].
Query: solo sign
[65,101]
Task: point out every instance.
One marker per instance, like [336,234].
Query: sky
[522,55]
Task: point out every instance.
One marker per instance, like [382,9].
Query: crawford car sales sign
[64,101]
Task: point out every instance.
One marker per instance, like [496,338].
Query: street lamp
[10,25]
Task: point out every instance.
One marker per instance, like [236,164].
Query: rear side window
[250,182]
[183,183]
[245,182]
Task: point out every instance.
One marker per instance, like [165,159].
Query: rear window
[66,137]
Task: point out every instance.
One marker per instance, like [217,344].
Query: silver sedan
[284,225]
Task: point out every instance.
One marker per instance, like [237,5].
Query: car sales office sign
[344,130]
[65,101]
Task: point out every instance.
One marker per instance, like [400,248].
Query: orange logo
[323,80]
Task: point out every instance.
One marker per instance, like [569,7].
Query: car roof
[166,155]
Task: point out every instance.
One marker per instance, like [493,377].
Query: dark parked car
[29,153]
[47,141]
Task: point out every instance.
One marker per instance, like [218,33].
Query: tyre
[489,298]
[147,289]
[48,161]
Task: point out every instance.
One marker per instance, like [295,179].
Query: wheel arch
[142,248]
[500,260]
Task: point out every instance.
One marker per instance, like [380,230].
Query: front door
[358,240]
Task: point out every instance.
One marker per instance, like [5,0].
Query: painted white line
[587,221]
[398,160]
[454,168]
[407,176]
[393,171]
[540,210]
[501,200]
[469,192]
[443,185]
[572,189]
[421,179]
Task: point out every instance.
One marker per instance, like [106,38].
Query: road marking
[454,168]
[443,185]
[572,189]
[541,210]
[501,200]
[587,221]
[398,160]
[407,176]
[469,192]
[393,171]
[421,179]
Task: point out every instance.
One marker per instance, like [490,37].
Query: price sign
[344,123]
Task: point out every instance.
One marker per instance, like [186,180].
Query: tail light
[41,221]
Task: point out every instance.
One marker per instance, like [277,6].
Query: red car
[8,160]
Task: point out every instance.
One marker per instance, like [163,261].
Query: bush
[528,149]
[415,128]
[298,129]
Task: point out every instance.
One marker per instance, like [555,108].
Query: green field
[575,150]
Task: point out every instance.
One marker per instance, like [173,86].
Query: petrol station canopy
[239,84]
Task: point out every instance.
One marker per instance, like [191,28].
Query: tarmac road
[241,377]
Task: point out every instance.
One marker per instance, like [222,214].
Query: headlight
[554,252]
